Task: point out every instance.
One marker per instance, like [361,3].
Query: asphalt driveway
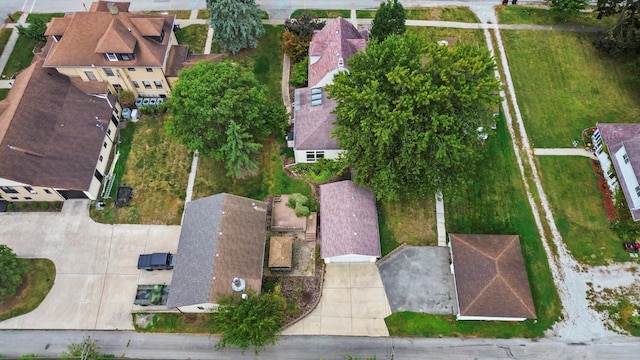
[418,278]
[96,266]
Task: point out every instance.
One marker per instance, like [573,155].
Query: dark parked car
[156,261]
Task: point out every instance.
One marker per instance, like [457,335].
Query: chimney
[113,9]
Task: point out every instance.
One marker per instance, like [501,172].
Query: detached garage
[348,224]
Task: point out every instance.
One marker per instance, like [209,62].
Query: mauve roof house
[615,136]
[222,237]
[348,221]
[490,276]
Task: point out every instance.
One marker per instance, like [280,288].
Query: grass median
[39,281]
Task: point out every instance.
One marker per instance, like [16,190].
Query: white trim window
[111,56]
[313,156]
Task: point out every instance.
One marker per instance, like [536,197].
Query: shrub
[300,73]
[299,203]
[127,98]
[45,206]
[13,271]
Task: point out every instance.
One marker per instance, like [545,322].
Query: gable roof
[86,36]
[348,220]
[339,39]
[223,236]
[180,58]
[313,126]
[48,132]
[616,136]
[490,276]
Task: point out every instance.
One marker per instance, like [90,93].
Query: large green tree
[237,24]
[298,34]
[624,36]
[389,20]
[408,114]
[254,321]
[221,110]
[12,271]
[36,29]
[568,7]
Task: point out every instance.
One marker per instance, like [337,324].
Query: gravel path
[581,323]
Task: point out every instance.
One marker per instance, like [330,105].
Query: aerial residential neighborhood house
[617,147]
[348,224]
[490,278]
[329,51]
[221,251]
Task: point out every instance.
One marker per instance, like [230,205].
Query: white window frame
[112,56]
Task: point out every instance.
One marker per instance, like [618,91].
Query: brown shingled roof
[280,251]
[51,128]
[148,26]
[58,26]
[89,35]
[102,6]
[490,275]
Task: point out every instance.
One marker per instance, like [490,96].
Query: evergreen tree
[239,150]
[237,24]
[389,20]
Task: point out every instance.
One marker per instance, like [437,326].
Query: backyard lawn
[582,221]
[496,204]
[157,169]
[412,222]
[538,16]
[570,88]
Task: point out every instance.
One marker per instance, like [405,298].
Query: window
[638,191]
[30,190]
[126,57]
[625,157]
[104,145]
[158,84]
[8,190]
[313,156]
[100,158]
[14,198]
[90,75]
[108,72]
[47,191]
[149,69]
[28,198]
[147,85]
[108,131]
[131,69]
[118,87]
[111,56]
[135,83]
[115,110]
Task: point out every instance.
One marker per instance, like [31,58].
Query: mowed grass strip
[457,14]
[563,85]
[175,323]
[39,281]
[157,168]
[411,221]
[571,186]
[5,34]
[21,56]
[193,35]
[46,16]
[434,34]
[496,204]
[537,16]
[322,14]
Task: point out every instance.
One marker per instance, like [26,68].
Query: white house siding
[301,155]
[350,259]
[605,162]
[488,318]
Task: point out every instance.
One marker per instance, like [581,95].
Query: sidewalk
[564,152]
[8,49]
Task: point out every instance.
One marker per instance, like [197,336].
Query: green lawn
[157,169]
[458,14]
[5,34]
[434,34]
[497,204]
[412,222]
[323,14]
[20,57]
[175,323]
[203,14]
[193,35]
[40,277]
[269,179]
[564,85]
[46,16]
[180,14]
[536,16]
[15,16]
[3,93]
[582,221]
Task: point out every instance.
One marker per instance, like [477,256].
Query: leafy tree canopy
[237,24]
[36,29]
[389,20]
[220,110]
[408,114]
[254,321]
[13,271]
[298,34]
[624,36]
[569,7]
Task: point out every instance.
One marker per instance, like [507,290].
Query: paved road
[165,346]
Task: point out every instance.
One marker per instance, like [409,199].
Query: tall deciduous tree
[208,98]
[12,271]
[624,36]
[408,114]
[237,24]
[569,7]
[389,20]
[254,321]
[298,34]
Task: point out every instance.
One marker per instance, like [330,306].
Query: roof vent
[341,62]
[296,99]
[238,284]
[316,96]
[113,9]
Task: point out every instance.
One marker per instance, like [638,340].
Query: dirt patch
[604,190]
[143,321]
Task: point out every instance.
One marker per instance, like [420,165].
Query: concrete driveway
[96,266]
[353,303]
[418,278]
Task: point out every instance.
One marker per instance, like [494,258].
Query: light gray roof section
[193,272]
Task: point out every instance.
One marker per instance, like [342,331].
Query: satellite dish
[238,284]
